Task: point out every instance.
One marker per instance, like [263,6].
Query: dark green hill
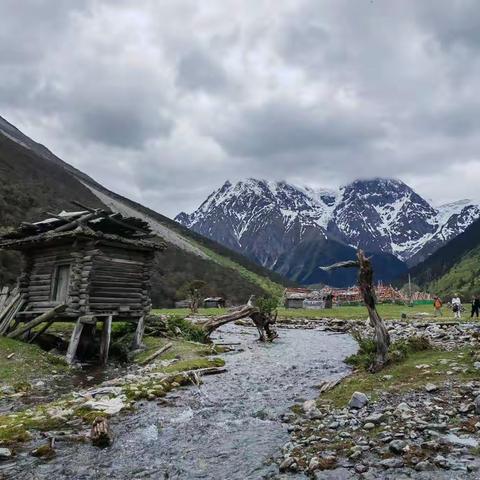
[34,181]
[453,268]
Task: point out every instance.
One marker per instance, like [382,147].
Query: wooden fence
[10,305]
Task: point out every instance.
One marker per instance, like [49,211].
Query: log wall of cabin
[120,281]
[38,276]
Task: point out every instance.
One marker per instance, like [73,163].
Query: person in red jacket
[437,305]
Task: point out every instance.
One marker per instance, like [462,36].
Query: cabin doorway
[61,283]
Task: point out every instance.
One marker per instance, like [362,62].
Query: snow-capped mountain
[266,220]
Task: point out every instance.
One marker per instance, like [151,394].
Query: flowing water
[229,428]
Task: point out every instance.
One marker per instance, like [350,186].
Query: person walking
[437,305]
[475,306]
[457,306]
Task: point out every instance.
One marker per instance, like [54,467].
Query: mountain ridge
[265,220]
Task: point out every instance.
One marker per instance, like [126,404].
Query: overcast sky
[163,101]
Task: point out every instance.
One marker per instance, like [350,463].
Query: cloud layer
[163,101]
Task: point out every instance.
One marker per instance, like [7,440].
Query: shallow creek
[230,427]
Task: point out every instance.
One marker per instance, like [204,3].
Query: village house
[87,266]
[214,302]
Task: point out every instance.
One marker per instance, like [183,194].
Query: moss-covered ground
[417,370]
[27,363]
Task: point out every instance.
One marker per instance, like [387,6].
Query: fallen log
[211,324]
[156,354]
[44,317]
[100,435]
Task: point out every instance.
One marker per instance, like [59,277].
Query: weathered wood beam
[105,342]
[138,337]
[38,320]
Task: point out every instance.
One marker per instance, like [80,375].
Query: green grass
[387,311]
[404,376]
[181,349]
[29,362]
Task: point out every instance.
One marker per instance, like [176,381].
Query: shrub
[189,331]
[266,305]
[397,352]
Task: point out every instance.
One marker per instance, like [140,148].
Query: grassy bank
[418,369]
[21,363]
[387,311]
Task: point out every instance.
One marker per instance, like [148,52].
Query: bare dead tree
[263,321]
[365,284]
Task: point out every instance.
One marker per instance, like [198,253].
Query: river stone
[477,404]
[440,461]
[402,408]
[392,463]
[375,418]
[423,466]
[431,387]
[288,464]
[5,454]
[358,400]
[452,439]
[314,464]
[369,426]
[359,468]
[397,446]
[7,390]
[309,406]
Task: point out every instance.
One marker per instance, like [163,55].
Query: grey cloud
[279,127]
[163,101]
[197,71]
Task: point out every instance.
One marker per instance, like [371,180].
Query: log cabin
[86,266]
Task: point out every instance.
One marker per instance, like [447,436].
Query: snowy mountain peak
[264,219]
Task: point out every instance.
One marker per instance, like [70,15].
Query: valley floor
[387,311]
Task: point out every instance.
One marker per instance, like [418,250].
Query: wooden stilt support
[138,338]
[42,330]
[105,343]
[75,338]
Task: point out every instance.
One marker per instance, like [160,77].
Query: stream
[228,428]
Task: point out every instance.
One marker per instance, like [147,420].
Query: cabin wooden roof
[87,223]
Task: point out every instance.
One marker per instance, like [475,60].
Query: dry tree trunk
[261,320]
[365,284]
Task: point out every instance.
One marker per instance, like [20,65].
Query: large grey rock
[392,463]
[375,418]
[423,466]
[288,464]
[431,387]
[309,405]
[397,446]
[358,400]
[477,404]
[5,454]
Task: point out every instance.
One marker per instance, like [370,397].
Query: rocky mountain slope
[270,221]
[35,181]
[453,268]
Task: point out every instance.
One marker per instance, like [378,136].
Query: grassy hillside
[34,182]
[29,188]
[463,278]
[453,268]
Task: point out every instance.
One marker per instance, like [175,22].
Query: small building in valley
[294,297]
[85,266]
[214,302]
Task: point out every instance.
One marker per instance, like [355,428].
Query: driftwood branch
[156,354]
[262,321]
[367,290]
